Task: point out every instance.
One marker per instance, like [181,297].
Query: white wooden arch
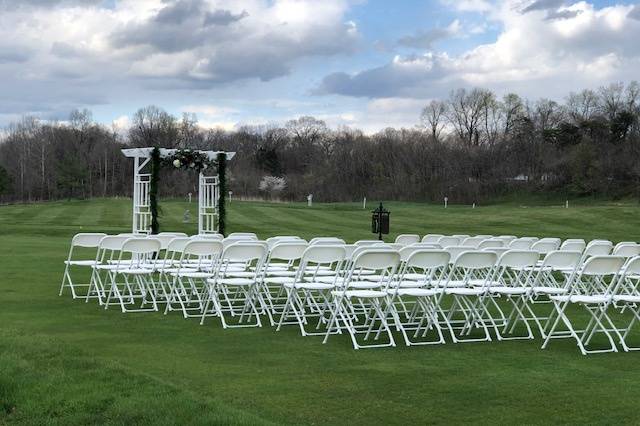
[208,190]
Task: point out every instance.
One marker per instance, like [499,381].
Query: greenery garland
[153,190]
[222,186]
[188,160]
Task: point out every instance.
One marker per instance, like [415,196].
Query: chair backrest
[447,241]
[627,250]
[164,239]
[431,238]
[87,239]
[177,244]
[521,244]
[407,239]
[175,234]
[497,250]
[461,237]
[455,251]
[603,265]
[215,237]
[551,240]
[203,248]
[324,254]
[361,243]
[518,259]
[141,245]
[326,240]
[427,259]
[247,251]
[288,250]
[113,242]
[243,235]
[507,238]
[562,260]
[492,242]
[544,247]
[598,248]
[476,260]
[573,246]
[473,242]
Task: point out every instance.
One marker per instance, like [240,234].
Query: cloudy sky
[367,64]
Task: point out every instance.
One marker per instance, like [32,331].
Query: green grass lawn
[67,362]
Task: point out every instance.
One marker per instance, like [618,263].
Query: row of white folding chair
[601,285]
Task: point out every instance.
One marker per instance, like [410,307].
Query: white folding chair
[84,240]
[215,237]
[426,267]
[106,260]
[234,291]
[175,234]
[591,290]
[198,262]
[138,281]
[308,297]
[466,282]
[626,297]
[360,311]
[326,240]
[512,281]
[491,243]
[279,269]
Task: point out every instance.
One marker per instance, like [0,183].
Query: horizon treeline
[470,147]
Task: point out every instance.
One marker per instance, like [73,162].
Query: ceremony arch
[210,187]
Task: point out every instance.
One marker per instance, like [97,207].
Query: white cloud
[532,54]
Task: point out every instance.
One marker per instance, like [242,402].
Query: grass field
[67,362]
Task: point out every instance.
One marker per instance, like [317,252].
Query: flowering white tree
[272,185]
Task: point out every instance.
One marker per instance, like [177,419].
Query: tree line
[470,147]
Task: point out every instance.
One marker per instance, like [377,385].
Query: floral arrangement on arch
[187,159]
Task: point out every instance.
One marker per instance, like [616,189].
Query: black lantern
[380,221]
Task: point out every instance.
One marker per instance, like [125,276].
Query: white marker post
[364,203]
[446,200]
[309,200]
[189,198]
[230,194]
[566,204]
[474,206]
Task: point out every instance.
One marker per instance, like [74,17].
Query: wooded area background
[471,147]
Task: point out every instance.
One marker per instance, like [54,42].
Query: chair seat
[109,267]
[414,277]
[320,272]
[360,294]
[136,271]
[279,280]
[328,279]
[235,281]
[508,290]
[192,274]
[595,299]
[362,285]
[452,284]
[465,291]
[239,274]
[310,286]
[406,284]
[549,290]
[417,292]
[626,298]
[280,273]
[81,262]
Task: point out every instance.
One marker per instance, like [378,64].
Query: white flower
[176,163]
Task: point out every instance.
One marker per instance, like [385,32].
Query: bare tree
[433,118]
